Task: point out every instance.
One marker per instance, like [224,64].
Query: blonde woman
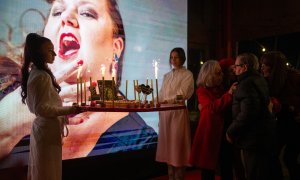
[213,101]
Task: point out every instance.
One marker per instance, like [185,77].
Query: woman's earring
[116,58]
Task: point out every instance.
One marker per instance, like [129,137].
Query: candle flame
[155,65]
[102,70]
[79,72]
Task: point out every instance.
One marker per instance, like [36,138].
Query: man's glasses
[239,65]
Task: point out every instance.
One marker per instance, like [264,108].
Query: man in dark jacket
[252,126]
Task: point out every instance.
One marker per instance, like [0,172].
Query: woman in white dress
[174,140]
[40,93]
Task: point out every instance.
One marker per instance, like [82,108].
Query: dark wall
[262,18]
[214,25]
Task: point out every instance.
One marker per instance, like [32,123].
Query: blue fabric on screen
[129,133]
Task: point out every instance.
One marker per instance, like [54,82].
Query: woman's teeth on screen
[69,46]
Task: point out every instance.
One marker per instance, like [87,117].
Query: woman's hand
[199,107]
[232,88]
[270,106]
[67,71]
[229,139]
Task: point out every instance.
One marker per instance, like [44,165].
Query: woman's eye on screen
[88,14]
[57,12]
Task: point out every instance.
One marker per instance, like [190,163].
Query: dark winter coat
[252,126]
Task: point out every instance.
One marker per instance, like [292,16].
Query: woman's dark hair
[33,55]
[181,54]
[278,70]
[118,31]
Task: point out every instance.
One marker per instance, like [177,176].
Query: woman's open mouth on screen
[68,46]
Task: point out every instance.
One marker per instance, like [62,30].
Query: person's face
[239,67]
[231,72]
[265,70]
[175,60]
[48,52]
[82,30]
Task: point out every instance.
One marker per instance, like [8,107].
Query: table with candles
[113,103]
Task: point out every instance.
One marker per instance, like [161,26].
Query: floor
[190,175]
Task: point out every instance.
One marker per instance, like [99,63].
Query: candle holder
[93,90]
[151,104]
[110,90]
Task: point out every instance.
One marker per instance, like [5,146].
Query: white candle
[137,84]
[157,91]
[103,74]
[84,90]
[146,94]
[126,89]
[134,90]
[78,81]
[91,87]
[155,64]
[151,85]
[81,91]
[113,91]
[113,74]
[77,92]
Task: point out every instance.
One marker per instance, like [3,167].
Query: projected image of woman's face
[95,32]
[81,30]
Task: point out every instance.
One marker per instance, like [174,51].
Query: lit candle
[78,81]
[84,89]
[137,85]
[103,74]
[134,90]
[113,74]
[89,72]
[103,89]
[126,89]
[81,91]
[91,87]
[151,85]
[157,91]
[155,64]
[77,92]
[146,94]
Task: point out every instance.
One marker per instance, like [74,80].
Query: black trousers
[290,159]
[256,164]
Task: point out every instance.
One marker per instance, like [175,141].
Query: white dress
[45,157]
[174,139]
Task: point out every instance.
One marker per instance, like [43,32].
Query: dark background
[225,28]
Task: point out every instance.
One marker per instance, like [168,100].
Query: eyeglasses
[240,65]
